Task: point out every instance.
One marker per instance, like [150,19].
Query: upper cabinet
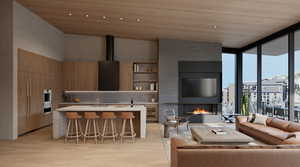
[80,76]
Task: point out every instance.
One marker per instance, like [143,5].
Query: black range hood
[109,69]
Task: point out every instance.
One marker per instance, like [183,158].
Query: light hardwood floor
[39,150]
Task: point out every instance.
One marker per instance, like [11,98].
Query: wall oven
[47,101]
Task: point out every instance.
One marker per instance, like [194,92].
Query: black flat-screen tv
[199,87]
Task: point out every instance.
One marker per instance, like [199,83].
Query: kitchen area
[48,89]
[108,74]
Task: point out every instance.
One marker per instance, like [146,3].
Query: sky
[271,66]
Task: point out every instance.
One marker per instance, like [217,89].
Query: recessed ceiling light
[121,18]
[104,17]
[70,14]
[138,20]
[86,15]
[215,27]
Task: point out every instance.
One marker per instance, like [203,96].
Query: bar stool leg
[132,131]
[123,130]
[86,130]
[76,128]
[113,130]
[95,131]
[67,130]
[103,131]
[80,127]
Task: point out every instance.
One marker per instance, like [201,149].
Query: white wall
[135,50]
[92,48]
[32,33]
[6,70]
[84,48]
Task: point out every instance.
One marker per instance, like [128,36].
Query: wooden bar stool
[91,124]
[74,129]
[127,116]
[109,117]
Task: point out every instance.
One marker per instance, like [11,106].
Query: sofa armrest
[239,120]
[175,143]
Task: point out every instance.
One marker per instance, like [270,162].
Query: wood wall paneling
[238,22]
[80,75]
[126,75]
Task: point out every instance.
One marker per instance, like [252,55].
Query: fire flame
[200,111]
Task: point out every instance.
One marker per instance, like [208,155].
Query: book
[219,131]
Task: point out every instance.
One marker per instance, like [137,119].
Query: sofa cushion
[280,124]
[260,119]
[269,120]
[293,140]
[293,127]
[261,136]
[274,132]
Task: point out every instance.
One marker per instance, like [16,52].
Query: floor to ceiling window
[249,97]
[275,78]
[297,76]
[228,87]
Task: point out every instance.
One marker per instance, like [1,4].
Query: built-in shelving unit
[145,78]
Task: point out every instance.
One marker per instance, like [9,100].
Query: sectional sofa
[274,132]
[185,155]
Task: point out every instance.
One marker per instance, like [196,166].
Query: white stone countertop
[102,108]
[101,103]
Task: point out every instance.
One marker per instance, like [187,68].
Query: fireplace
[201,113]
[200,91]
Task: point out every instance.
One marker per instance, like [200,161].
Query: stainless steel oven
[47,102]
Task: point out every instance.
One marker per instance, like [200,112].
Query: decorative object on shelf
[153,100]
[76,100]
[152,86]
[131,102]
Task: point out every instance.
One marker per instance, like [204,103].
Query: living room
[136,83]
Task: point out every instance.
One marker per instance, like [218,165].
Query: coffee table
[204,135]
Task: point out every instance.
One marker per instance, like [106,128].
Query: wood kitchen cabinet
[126,75]
[36,73]
[80,76]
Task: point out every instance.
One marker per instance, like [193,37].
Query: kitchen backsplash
[111,96]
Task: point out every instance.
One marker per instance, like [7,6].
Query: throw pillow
[260,119]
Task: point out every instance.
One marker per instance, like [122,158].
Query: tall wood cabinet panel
[80,75]
[36,73]
[126,75]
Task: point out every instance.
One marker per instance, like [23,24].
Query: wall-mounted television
[199,87]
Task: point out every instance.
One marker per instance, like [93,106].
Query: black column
[259,78]
[291,82]
[239,82]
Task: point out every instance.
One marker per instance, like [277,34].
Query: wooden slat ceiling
[238,22]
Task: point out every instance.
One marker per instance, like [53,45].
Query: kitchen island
[140,112]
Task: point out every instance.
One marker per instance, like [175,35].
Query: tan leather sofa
[275,132]
[185,155]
